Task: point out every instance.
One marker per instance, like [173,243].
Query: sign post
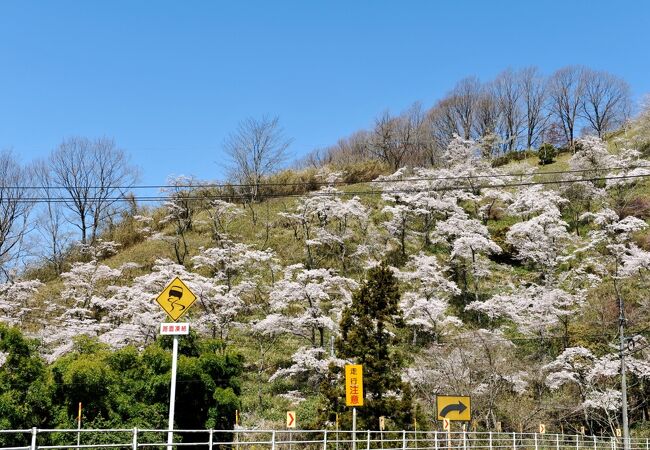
[175,300]
[354,394]
[79,427]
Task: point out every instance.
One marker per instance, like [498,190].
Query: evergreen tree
[369,336]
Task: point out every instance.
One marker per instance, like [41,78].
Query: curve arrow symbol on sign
[291,419]
[459,407]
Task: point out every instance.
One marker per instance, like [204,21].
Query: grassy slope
[252,227]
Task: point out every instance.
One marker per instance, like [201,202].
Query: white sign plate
[174,328]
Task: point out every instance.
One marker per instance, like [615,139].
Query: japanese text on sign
[174,328]
[354,385]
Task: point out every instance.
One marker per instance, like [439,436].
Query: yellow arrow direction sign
[176,299]
[454,407]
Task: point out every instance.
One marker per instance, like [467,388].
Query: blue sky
[170,80]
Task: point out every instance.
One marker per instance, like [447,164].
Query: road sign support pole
[435,440]
[172,395]
[354,428]
[464,438]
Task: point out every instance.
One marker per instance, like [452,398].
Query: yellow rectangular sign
[454,407]
[354,385]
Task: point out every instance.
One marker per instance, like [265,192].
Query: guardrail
[240,439]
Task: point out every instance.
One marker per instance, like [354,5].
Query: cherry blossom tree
[425,302]
[594,381]
[469,242]
[540,240]
[534,310]
[234,275]
[481,363]
[307,303]
[328,226]
[15,298]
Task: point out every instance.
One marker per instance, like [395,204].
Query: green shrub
[546,153]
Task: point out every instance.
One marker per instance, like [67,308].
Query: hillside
[510,282]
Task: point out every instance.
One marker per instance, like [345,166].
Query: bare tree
[534,96]
[465,97]
[95,175]
[51,219]
[443,125]
[256,149]
[508,93]
[606,101]
[487,119]
[16,202]
[566,91]
[384,141]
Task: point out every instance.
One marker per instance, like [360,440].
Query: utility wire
[380,180]
[329,193]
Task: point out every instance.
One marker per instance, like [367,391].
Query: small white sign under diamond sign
[174,328]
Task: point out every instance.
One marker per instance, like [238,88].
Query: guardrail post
[273,440]
[34,432]
[535,435]
[613,443]
[577,441]
[490,440]
[368,441]
[514,441]
[134,442]
[403,439]
[435,440]
[646,444]
[324,440]
[557,442]
[464,438]
[211,439]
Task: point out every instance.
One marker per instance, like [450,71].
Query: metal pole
[172,395]
[134,443]
[514,441]
[557,441]
[368,443]
[435,440]
[535,441]
[403,439]
[34,432]
[621,332]
[273,440]
[211,439]
[325,440]
[490,441]
[79,427]
[354,428]
[577,442]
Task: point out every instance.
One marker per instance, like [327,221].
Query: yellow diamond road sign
[454,407]
[176,299]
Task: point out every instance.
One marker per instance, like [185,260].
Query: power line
[448,188]
[329,183]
